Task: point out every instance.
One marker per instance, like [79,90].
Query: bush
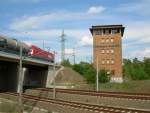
[103,76]
[136,70]
[147,66]
[89,72]
[86,70]
[66,63]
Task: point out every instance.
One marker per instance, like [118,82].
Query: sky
[40,22]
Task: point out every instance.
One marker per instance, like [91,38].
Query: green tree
[138,72]
[66,63]
[135,69]
[127,68]
[87,70]
[103,76]
[147,66]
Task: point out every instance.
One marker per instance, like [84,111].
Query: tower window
[111,40]
[103,62]
[98,32]
[112,51]
[108,72]
[107,51]
[107,31]
[114,31]
[102,40]
[102,51]
[107,61]
[107,40]
[112,62]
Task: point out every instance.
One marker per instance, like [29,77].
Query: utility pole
[62,46]
[91,59]
[74,56]
[48,48]
[43,45]
[54,83]
[55,74]
[20,82]
[97,72]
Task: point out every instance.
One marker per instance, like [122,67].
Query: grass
[141,86]
[8,107]
[137,86]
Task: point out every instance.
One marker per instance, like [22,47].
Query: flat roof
[107,27]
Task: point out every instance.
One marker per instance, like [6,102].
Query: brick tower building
[107,49]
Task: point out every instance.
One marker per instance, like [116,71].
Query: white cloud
[32,22]
[140,53]
[51,33]
[43,20]
[85,41]
[136,34]
[38,21]
[141,7]
[69,51]
[136,30]
[44,34]
[51,36]
[96,9]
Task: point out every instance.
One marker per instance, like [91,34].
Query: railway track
[81,106]
[136,96]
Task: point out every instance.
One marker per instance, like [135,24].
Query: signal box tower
[107,49]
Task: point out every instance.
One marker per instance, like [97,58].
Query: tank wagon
[13,45]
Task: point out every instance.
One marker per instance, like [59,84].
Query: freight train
[13,45]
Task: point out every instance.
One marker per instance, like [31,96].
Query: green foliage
[66,63]
[103,76]
[147,66]
[89,72]
[132,70]
[136,70]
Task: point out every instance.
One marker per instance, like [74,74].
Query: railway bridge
[36,72]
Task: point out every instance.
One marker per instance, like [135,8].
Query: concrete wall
[51,75]
[8,76]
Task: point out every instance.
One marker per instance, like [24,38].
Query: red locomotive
[38,52]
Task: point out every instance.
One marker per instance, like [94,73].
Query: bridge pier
[50,76]
[8,76]
[24,70]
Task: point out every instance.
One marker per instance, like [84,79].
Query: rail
[78,105]
[139,96]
